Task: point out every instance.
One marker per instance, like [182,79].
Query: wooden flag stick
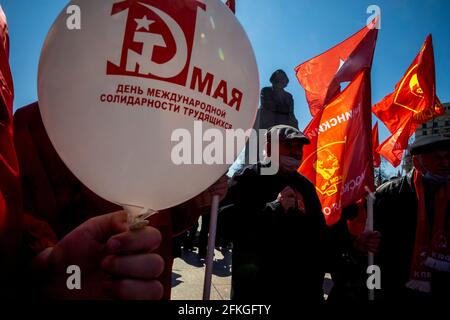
[211,246]
[369,227]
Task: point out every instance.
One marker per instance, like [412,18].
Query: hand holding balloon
[114,262]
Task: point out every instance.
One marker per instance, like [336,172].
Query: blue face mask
[435,179]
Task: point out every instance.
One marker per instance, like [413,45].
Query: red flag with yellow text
[321,76]
[413,102]
[339,159]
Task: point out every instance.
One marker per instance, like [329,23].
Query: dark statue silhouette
[277,105]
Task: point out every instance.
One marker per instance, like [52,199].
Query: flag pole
[369,227]
[211,246]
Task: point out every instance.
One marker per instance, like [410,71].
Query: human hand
[368,241]
[114,261]
[287,198]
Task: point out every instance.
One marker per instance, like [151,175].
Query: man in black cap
[277,227]
[412,215]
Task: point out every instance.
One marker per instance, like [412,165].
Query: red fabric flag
[10,196]
[8,161]
[413,102]
[6,82]
[321,76]
[375,144]
[13,223]
[339,159]
[392,148]
[232,5]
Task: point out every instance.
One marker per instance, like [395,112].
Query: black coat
[274,253]
[395,216]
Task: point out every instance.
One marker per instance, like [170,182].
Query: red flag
[10,196]
[339,159]
[413,102]
[321,76]
[375,144]
[8,161]
[232,5]
[6,82]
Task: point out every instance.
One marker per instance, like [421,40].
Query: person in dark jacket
[277,228]
[412,215]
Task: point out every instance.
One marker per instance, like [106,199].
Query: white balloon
[112,93]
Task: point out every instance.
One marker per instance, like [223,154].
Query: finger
[141,240]
[131,289]
[288,192]
[298,194]
[103,227]
[143,266]
[373,249]
[289,203]
[373,244]
[290,197]
[372,234]
[374,239]
[376,234]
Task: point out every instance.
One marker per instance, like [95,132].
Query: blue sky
[283,33]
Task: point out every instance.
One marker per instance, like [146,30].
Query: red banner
[413,102]
[10,196]
[375,144]
[339,159]
[321,76]
[8,161]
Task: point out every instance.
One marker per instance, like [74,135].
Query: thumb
[101,228]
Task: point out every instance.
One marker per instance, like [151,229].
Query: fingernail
[113,245]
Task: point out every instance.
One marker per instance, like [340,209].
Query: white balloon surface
[113,92]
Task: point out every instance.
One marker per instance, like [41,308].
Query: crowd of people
[49,220]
